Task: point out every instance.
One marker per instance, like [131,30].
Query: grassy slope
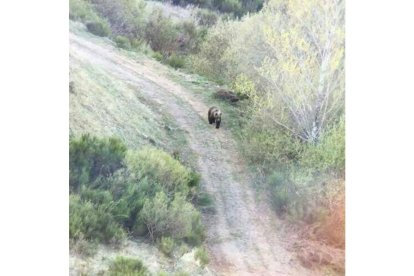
[105,106]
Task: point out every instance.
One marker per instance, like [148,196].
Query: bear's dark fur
[214,116]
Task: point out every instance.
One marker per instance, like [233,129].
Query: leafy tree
[305,69]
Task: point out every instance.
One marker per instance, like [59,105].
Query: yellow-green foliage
[122,42]
[127,266]
[160,167]
[81,10]
[202,255]
[294,58]
[243,86]
[93,222]
[289,60]
[175,218]
[166,245]
[329,153]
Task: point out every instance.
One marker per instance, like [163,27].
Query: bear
[214,116]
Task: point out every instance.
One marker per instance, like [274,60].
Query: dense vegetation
[133,26]
[235,7]
[287,59]
[117,192]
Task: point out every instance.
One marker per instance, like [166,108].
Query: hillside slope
[242,235]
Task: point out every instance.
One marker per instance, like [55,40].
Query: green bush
[161,33]
[158,56]
[205,202]
[176,61]
[329,153]
[127,266]
[140,45]
[98,28]
[166,245]
[282,192]
[122,42]
[126,17]
[81,10]
[161,168]
[163,217]
[202,255]
[150,194]
[93,222]
[91,157]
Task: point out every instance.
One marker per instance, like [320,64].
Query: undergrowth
[117,193]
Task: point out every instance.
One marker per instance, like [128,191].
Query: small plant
[98,28]
[158,56]
[83,247]
[127,266]
[205,202]
[166,245]
[202,255]
[123,42]
[176,61]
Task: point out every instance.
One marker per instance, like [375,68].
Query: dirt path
[242,235]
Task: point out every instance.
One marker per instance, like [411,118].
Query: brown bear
[214,116]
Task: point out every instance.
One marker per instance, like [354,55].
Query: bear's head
[217,117]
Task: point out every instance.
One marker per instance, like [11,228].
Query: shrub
[197,234]
[161,33]
[202,255]
[123,42]
[149,194]
[177,218]
[210,60]
[188,37]
[244,87]
[194,179]
[140,45]
[127,266]
[126,17]
[205,202]
[93,222]
[155,215]
[98,28]
[166,245]
[161,168]
[158,56]
[91,157]
[81,10]
[282,192]
[176,61]
[329,153]
[83,247]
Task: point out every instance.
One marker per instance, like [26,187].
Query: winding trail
[242,235]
